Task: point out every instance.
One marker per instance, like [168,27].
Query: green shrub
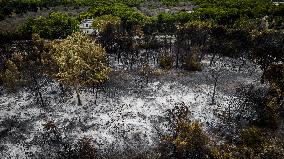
[11,77]
[166,62]
[56,26]
[275,75]
[256,144]
[253,138]
[189,141]
[272,151]
[191,63]
[272,110]
[157,72]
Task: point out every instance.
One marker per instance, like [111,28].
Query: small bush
[11,77]
[189,141]
[256,144]
[157,72]
[275,75]
[191,63]
[272,151]
[166,62]
[252,138]
[271,112]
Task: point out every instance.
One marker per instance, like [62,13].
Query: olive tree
[81,62]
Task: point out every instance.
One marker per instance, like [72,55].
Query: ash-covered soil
[127,115]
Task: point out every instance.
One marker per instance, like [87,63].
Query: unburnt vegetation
[207,82]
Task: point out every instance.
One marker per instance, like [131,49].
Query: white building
[277,2]
[86,26]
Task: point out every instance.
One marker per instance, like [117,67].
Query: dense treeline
[179,36]
[233,14]
[8,7]
[227,12]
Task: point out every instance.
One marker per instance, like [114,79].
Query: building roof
[87,20]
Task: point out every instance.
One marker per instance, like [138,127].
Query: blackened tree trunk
[212,59]
[177,57]
[214,91]
[97,91]
[78,95]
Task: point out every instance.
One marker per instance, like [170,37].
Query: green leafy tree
[56,26]
[108,27]
[107,22]
[165,22]
[81,62]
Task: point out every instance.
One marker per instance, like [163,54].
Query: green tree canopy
[81,61]
[129,17]
[56,26]
[105,22]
